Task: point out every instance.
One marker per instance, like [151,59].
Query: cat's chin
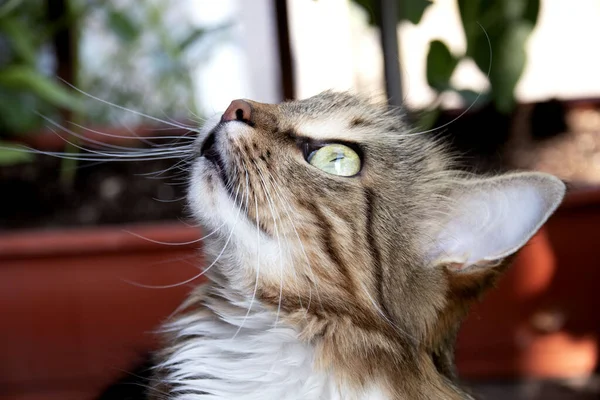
[208,197]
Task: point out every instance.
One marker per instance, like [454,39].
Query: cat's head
[332,204]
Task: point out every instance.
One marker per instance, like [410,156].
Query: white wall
[334,48]
[245,65]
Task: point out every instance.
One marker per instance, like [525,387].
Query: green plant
[126,52]
[26,82]
[410,10]
[145,59]
[496,32]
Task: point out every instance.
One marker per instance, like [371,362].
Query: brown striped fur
[359,288]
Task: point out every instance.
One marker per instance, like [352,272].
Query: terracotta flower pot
[74,322]
[73,318]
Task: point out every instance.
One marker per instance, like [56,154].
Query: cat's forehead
[331,115]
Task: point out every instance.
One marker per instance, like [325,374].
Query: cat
[344,250]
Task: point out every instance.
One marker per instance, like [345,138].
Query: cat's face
[330,204]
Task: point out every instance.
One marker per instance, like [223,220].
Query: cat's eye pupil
[336,159]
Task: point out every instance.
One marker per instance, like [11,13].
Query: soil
[33,196]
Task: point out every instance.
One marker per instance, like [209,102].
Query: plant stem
[68,167]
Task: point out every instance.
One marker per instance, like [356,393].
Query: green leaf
[16,112]
[440,65]
[21,38]
[469,15]
[532,11]
[11,154]
[191,38]
[496,33]
[25,78]
[509,62]
[369,6]
[122,26]
[410,10]
[9,6]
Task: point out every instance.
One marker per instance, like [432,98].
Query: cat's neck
[234,347]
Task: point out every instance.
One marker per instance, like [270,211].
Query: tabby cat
[343,252]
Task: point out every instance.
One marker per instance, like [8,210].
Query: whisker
[286,208]
[170,201]
[89,156]
[175,243]
[90,140]
[157,174]
[133,154]
[177,125]
[135,135]
[257,259]
[204,271]
[271,207]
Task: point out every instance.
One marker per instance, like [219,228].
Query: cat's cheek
[203,195]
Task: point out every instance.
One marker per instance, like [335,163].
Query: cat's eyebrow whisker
[473,102]
[177,125]
[205,270]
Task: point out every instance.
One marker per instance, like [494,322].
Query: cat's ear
[489,219]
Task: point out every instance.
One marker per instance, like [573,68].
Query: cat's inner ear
[489,219]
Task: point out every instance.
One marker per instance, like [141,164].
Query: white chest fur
[225,352]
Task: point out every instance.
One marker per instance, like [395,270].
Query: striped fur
[320,287]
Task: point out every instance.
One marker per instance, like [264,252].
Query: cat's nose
[238,110]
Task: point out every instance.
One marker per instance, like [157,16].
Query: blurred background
[509,84]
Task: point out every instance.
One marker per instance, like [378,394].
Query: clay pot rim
[100,239]
[581,196]
[119,238]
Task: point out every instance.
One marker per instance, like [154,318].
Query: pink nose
[238,110]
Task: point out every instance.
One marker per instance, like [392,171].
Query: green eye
[336,159]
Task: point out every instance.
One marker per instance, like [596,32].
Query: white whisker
[271,208]
[177,125]
[175,243]
[257,259]
[204,271]
[286,208]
